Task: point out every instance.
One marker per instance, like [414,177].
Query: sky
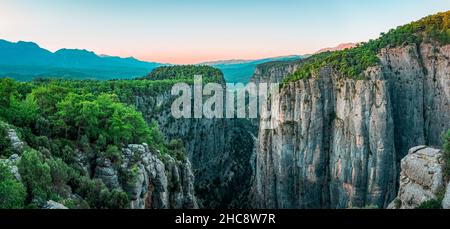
[194,31]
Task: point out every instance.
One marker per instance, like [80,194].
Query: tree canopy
[351,63]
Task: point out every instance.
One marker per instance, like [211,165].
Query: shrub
[58,171]
[156,141]
[75,203]
[130,175]
[446,152]
[91,191]
[177,150]
[35,175]
[435,203]
[12,192]
[117,199]
[113,154]
[430,204]
[97,194]
[5,145]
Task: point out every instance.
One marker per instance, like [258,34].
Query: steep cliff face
[339,141]
[273,72]
[220,151]
[419,86]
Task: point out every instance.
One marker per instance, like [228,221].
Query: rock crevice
[339,141]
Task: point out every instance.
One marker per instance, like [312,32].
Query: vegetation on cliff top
[59,119]
[351,63]
[186,72]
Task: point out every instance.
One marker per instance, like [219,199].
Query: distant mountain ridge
[244,61]
[26,60]
[240,71]
[337,48]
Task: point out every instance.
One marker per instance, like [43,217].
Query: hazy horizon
[195,31]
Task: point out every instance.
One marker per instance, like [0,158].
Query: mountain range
[25,61]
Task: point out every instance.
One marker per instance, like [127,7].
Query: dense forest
[352,62]
[185,72]
[60,118]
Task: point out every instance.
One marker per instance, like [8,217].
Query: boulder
[11,162]
[157,184]
[54,205]
[421,178]
[16,143]
[105,172]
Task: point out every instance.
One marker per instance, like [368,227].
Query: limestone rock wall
[339,141]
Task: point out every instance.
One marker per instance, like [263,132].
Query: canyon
[358,128]
[340,141]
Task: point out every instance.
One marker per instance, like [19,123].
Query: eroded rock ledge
[421,178]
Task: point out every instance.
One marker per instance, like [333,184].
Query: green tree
[98,196]
[22,113]
[58,172]
[35,175]
[114,154]
[177,150]
[446,149]
[5,145]
[117,199]
[8,90]
[47,98]
[156,141]
[12,192]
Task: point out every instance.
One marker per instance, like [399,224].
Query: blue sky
[192,31]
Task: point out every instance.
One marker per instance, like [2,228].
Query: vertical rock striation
[339,141]
[220,151]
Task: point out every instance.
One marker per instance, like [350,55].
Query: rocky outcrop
[16,143]
[16,146]
[12,163]
[338,142]
[154,184]
[105,172]
[274,72]
[151,180]
[53,205]
[421,178]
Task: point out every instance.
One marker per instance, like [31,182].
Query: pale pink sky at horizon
[195,31]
